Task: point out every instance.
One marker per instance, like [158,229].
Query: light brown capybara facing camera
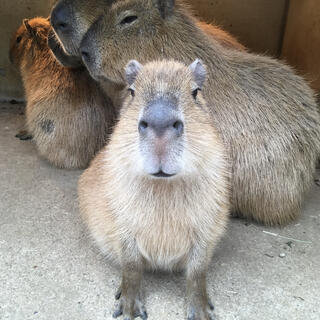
[265,113]
[67,114]
[157,196]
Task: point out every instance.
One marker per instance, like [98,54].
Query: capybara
[265,113]
[157,196]
[71,19]
[67,113]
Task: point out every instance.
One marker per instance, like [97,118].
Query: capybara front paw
[201,313]
[129,307]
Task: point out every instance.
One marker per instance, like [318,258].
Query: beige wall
[11,14]
[256,23]
[301,47]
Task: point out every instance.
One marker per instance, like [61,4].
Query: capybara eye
[128,19]
[131,92]
[195,93]
[18,40]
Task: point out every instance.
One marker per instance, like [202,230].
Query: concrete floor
[49,269]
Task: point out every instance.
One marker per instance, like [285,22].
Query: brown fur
[83,13]
[143,222]
[220,35]
[67,114]
[265,113]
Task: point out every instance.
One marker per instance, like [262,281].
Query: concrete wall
[257,23]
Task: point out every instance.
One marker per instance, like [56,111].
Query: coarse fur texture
[265,113]
[223,37]
[169,223]
[79,15]
[67,114]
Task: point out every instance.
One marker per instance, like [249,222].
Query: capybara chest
[165,241]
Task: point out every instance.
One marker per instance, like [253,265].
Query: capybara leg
[129,293]
[199,305]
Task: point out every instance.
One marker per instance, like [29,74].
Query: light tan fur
[265,113]
[67,114]
[171,223]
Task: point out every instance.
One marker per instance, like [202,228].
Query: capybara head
[132,29]
[166,115]
[31,34]
[71,19]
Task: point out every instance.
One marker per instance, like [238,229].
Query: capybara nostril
[178,126]
[142,126]
[62,26]
[85,55]
[59,17]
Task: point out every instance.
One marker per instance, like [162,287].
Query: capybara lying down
[266,114]
[67,114]
[157,196]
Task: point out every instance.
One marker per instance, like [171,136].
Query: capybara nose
[161,118]
[59,17]
[174,126]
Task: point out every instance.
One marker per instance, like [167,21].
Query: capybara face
[30,32]
[163,96]
[71,19]
[18,42]
[130,29]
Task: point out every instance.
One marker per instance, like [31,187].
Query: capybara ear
[165,7]
[61,56]
[199,72]
[28,27]
[132,70]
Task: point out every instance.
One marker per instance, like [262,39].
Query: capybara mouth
[162,174]
[60,54]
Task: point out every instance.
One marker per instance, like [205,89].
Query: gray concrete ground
[49,268]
